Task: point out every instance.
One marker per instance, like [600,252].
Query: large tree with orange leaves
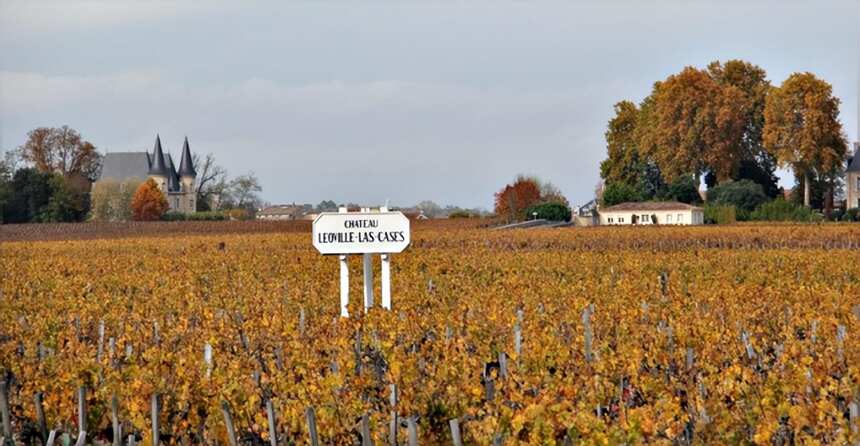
[513,200]
[802,130]
[149,202]
[693,124]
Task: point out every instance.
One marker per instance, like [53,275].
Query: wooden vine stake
[365,431]
[155,409]
[228,422]
[52,436]
[456,438]
[40,416]
[312,426]
[588,333]
[4,411]
[207,358]
[114,416]
[82,413]
[412,429]
[270,414]
[392,425]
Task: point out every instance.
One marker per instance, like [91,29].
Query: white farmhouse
[651,213]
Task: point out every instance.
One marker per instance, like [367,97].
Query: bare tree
[211,179]
[243,190]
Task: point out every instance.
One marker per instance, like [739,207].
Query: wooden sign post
[367,233]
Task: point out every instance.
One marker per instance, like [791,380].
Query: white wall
[687,217]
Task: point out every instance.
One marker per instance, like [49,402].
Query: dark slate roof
[186,164]
[121,166]
[158,166]
[854,161]
[172,178]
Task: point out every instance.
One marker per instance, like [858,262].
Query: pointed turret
[158,166]
[186,165]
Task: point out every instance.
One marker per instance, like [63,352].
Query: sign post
[367,233]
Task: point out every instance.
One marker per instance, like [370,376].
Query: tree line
[50,179]
[725,124]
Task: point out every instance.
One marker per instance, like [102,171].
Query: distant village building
[281,212]
[852,179]
[177,186]
[652,212]
[586,215]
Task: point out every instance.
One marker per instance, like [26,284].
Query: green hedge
[852,214]
[720,214]
[194,216]
[549,211]
[744,195]
[781,210]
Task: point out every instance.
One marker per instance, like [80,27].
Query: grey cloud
[374,100]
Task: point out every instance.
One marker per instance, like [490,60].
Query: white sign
[361,232]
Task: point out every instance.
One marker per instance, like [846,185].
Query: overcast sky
[405,100]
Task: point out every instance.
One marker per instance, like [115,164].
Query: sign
[361,232]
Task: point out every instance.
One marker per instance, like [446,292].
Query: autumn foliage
[699,335]
[514,199]
[149,203]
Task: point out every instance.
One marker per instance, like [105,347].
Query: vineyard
[701,335]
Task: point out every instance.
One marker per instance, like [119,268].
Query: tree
[550,193]
[211,180]
[691,124]
[744,195]
[756,163]
[7,170]
[512,201]
[65,204]
[429,208]
[111,200]
[61,150]
[30,191]
[327,205]
[617,193]
[802,129]
[623,161]
[149,202]
[683,189]
[243,191]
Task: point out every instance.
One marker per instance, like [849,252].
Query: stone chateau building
[177,185]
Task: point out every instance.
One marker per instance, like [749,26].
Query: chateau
[177,186]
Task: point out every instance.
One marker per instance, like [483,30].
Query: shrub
[616,193]
[852,214]
[549,211]
[194,216]
[744,195]
[720,214]
[781,210]
[149,203]
[463,214]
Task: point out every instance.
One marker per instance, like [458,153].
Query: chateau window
[620,219]
[668,218]
[858,183]
[680,218]
[609,220]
